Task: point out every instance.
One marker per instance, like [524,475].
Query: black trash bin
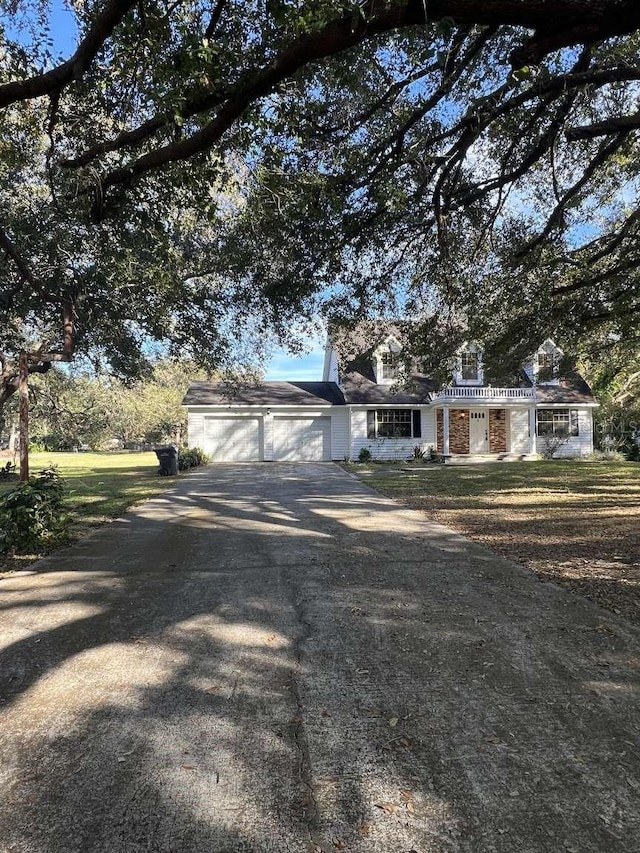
[168,459]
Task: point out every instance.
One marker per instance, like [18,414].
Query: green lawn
[576,523]
[100,486]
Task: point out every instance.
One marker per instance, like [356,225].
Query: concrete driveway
[274,658]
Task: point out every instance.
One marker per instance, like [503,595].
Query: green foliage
[191,458]
[8,471]
[31,515]
[364,455]
[417,454]
[605,456]
[350,184]
[76,410]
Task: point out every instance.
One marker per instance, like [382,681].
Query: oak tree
[202,173]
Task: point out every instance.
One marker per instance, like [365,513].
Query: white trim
[360,406]
[273,406]
[568,405]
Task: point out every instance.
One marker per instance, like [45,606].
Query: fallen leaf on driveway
[387,808]
[393,722]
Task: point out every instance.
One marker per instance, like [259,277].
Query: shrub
[632,452]
[8,471]
[609,455]
[417,454]
[191,458]
[31,515]
[549,445]
[364,455]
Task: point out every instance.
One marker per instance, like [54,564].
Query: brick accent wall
[458,431]
[497,430]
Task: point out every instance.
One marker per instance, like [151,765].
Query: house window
[561,422]
[393,423]
[388,365]
[469,365]
[546,366]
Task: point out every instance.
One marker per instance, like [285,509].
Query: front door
[479,431]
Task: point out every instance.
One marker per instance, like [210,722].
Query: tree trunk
[24,416]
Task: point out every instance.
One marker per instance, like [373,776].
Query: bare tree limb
[605,151]
[215,19]
[623,124]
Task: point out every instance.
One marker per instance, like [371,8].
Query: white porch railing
[485,392]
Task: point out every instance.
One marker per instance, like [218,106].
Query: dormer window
[546,367]
[386,361]
[469,368]
[389,366]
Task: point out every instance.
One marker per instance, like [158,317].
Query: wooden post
[23,390]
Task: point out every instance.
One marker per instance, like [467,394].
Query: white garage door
[232,439]
[302,439]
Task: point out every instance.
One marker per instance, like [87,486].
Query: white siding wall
[428,419]
[581,444]
[519,431]
[330,367]
[394,449]
[267,431]
[339,433]
[195,429]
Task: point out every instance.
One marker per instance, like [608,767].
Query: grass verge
[99,487]
[574,523]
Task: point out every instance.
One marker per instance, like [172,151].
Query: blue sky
[63,30]
[305,368]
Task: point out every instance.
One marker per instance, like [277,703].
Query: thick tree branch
[73,69]
[215,19]
[12,251]
[347,32]
[624,124]
[619,269]
[606,150]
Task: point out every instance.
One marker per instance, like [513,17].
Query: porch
[486,432]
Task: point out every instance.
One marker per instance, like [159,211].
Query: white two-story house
[371,396]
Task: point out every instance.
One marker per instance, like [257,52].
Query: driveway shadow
[275,658]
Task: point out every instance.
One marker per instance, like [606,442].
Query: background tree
[71,410]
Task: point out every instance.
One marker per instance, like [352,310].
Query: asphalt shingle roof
[571,390]
[264,394]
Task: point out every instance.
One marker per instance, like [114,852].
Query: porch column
[445,431]
[532,431]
